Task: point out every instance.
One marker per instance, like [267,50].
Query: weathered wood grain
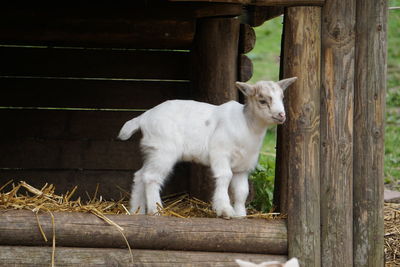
[247,38]
[369,113]
[150,232]
[41,256]
[84,93]
[94,63]
[300,134]
[245,68]
[215,67]
[337,106]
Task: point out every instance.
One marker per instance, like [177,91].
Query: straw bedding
[34,199]
[392,234]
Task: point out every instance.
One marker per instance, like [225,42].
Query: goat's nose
[282,115]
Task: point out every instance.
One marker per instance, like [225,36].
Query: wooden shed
[70,77]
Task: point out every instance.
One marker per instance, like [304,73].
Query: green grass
[392,129]
[265,57]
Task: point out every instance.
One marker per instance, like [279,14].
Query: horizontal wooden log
[247,38]
[67,93]
[146,232]
[257,15]
[262,2]
[245,68]
[94,63]
[113,184]
[41,256]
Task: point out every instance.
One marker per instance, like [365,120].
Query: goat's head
[265,99]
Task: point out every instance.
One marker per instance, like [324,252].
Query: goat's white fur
[291,263]
[228,138]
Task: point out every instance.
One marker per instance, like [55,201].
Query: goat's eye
[262,102]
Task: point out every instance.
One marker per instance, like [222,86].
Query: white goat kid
[291,263]
[228,138]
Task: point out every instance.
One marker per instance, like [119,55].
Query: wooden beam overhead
[263,2]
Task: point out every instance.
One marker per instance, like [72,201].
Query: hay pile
[34,199]
[392,234]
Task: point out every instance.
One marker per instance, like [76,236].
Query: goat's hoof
[137,211]
[226,212]
[240,213]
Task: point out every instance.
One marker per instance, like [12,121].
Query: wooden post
[214,62]
[300,134]
[336,161]
[369,113]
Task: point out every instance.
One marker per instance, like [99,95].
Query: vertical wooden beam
[214,62]
[369,113]
[302,50]
[337,77]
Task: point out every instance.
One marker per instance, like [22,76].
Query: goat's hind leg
[157,167]
[138,197]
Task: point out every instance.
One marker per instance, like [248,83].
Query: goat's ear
[292,263]
[285,83]
[245,88]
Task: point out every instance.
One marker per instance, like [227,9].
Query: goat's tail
[129,128]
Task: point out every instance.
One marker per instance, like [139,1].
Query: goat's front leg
[240,191]
[223,176]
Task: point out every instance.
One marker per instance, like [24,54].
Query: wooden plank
[67,93]
[301,133]
[215,68]
[247,38]
[113,184]
[40,27]
[67,139]
[263,2]
[369,125]
[94,63]
[337,105]
[41,256]
[245,68]
[70,154]
[62,124]
[146,232]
